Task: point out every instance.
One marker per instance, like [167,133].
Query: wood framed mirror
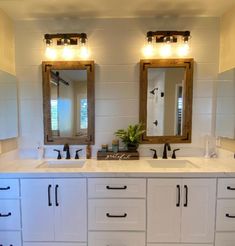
[68,102]
[166,87]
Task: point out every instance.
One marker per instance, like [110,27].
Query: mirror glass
[8,106]
[225,108]
[68,90]
[165,101]
[68,103]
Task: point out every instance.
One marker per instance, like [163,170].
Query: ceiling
[44,9]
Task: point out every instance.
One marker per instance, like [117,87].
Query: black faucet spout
[166,147]
[66,148]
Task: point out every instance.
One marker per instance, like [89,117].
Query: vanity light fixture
[69,41]
[167,40]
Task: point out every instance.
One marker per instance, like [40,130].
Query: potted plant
[131,137]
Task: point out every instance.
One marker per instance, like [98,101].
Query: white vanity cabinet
[181,210]
[116,211]
[54,210]
[10,226]
[225,214]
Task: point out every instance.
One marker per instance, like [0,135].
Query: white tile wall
[116,46]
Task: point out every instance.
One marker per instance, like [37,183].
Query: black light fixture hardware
[66,38]
[168,36]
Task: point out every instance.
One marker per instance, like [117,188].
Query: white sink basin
[171,164]
[62,164]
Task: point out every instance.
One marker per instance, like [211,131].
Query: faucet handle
[173,154]
[154,153]
[59,155]
[77,155]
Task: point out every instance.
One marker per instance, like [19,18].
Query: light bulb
[148,50]
[50,53]
[183,49]
[165,50]
[67,53]
[84,52]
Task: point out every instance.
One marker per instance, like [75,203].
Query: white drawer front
[225,213]
[10,215]
[226,188]
[116,238]
[9,188]
[225,239]
[116,187]
[114,214]
[185,244]
[10,238]
[54,244]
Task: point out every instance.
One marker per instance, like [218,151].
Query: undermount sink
[62,164]
[166,163]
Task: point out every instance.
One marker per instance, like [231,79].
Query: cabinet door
[70,210]
[164,211]
[37,212]
[198,210]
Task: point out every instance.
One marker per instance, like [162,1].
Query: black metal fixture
[166,147]
[66,148]
[168,36]
[66,38]
[153,91]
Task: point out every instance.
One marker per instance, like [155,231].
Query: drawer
[54,244]
[9,188]
[226,188]
[10,238]
[116,187]
[116,214]
[185,244]
[10,215]
[116,238]
[225,217]
[225,239]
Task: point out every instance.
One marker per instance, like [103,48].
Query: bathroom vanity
[118,203]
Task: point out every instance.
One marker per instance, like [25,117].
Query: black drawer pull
[186,196]
[116,188]
[178,202]
[49,195]
[230,188]
[230,216]
[56,195]
[5,215]
[5,188]
[116,216]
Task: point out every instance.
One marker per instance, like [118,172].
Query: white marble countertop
[140,168]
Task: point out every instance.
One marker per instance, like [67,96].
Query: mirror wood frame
[47,66]
[187,95]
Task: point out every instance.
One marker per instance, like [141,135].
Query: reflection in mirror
[68,103]
[68,89]
[166,100]
[225,110]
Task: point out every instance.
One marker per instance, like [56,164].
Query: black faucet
[66,148]
[154,153]
[166,147]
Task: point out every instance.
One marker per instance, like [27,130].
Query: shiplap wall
[116,47]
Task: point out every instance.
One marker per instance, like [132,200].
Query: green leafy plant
[132,135]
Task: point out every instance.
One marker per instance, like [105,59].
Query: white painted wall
[7,64]
[227,40]
[116,46]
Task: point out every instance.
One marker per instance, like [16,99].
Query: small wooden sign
[120,155]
